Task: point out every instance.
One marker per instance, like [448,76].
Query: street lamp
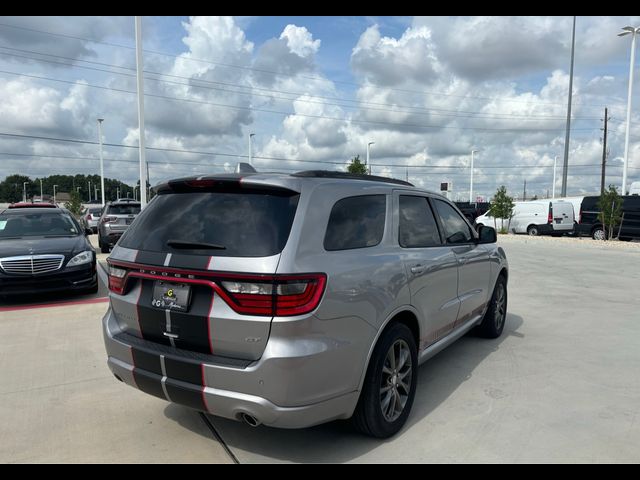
[41,190]
[117,193]
[24,191]
[553,185]
[471,182]
[367,162]
[89,182]
[54,194]
[251,135]
[626,31]
[100,120]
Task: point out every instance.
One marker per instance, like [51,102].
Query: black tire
[533,231]
[494,319]
[598,233]
[103,248]
[369,417]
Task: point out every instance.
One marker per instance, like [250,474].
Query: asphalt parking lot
[561,385]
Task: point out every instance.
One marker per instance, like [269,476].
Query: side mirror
[87,232]
[487,234]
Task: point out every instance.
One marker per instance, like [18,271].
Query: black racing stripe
[192,327]
[146,361]
[196,262]
[189,372]
[151,258]
[149,383]
[153,321]
[185,395]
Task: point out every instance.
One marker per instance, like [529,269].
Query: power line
[270,72]
[306,115]
[427,111]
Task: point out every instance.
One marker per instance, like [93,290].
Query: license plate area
[171,296]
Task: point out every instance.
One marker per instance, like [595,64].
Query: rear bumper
[549,229]
[228,387]
[76,279]
[110,238]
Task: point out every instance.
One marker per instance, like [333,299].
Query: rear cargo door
[199,268]
[563,216]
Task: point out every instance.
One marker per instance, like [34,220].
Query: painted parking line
[54,304]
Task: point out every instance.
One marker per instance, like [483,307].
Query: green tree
[356,166]
[75,205]
[501,207]
[610,207]
[11,188]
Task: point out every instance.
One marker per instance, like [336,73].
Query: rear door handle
[417,269]
[462,261]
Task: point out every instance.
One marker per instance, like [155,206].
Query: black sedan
[44,250]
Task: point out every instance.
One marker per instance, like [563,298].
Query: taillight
[117,279]
[550,217]
[109,219]
[580,215]
[284,296]
[88,217]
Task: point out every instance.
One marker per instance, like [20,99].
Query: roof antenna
[243,167]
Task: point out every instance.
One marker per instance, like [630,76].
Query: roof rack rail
[348,176]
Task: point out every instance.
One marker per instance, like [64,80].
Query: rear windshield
[33,224]
[244,224]
[124,209]
[99,210]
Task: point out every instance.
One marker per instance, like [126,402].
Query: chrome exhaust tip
[249,419]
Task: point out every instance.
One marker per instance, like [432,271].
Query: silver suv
[116,218]
[292,300]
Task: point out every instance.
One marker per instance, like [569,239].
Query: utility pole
[141,132]
[89,191]
[100,120]
[568,132]
[524,193]
[604,151]
[251,135]
[41,191]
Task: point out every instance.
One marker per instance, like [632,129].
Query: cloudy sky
[315,91]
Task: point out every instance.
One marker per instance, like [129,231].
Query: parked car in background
[293,300]
[590,224]
[116,218]
[536,217]
[44,249]
[91,217]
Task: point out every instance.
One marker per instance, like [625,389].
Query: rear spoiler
[230,182]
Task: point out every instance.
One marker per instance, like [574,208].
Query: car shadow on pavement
[337,441]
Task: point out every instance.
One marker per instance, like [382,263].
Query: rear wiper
[195,245]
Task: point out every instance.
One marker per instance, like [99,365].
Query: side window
[356,222]
[418,227]
[456,229]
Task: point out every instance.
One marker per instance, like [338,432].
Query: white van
[537,217]
[634,189]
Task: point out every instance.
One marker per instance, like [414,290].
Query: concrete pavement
[561,385]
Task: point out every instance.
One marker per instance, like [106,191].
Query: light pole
[89,182]
[41,190]
[24,191]
[117,193]
[100,120]
[565,170]
[368,165]
[251,135]
[141,133]
[471,180]
[553,188]
[626,31]
[54,194]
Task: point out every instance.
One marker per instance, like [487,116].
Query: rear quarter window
[356,222]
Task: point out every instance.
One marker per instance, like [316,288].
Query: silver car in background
[293,300]
[116,218]
[90,218]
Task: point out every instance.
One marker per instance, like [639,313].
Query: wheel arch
[407,315]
